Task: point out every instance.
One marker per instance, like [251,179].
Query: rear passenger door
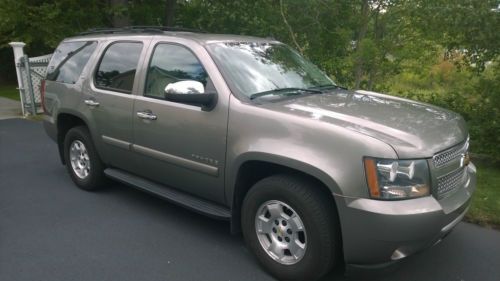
[110,99]
[181,146]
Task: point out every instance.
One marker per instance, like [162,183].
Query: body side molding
[117,142]
[176,160]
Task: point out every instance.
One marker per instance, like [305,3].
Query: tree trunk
[377,34]
[120,16]
[290,30]
[365,18]
[169,13]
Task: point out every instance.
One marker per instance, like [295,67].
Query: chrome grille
[449,183]
[451,154]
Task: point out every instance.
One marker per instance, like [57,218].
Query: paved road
[50,230]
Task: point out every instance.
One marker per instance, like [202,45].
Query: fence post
[29,86]
[18,54]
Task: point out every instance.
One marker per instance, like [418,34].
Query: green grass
[9,91]
[485,208]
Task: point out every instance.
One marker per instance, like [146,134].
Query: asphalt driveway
[50,230]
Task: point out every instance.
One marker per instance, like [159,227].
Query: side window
[172,63]
[116,71]
[68,61]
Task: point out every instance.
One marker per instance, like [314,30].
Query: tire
[316,212]
[90,174]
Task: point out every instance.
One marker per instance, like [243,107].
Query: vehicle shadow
[449,256]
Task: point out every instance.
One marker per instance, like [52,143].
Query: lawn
[9,91]
[485,209]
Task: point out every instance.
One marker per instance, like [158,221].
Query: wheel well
[253,171]
[64,123]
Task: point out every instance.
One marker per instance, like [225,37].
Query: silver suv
[247,130]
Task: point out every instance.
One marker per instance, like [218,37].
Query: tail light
[42,95]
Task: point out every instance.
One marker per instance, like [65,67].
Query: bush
[476,96]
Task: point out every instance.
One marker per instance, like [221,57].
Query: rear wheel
[291,227]
[83,163]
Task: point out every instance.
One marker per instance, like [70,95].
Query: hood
[413,129]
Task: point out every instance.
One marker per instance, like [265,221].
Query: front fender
[237,163]
[331,153]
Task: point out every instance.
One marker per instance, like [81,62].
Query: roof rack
[138,29]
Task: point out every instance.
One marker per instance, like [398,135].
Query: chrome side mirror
[185,87]
[192,93]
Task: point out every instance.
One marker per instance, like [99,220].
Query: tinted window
[258,67]
[68,61]
[118,65]
[169,64]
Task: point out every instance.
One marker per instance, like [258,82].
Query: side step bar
[170,194]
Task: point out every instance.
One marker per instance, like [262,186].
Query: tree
[169,12]
[119,9]
[361,43]
[467,26]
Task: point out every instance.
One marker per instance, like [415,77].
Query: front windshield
[251,68]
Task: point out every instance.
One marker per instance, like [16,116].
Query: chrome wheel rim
[281,232]
[79,157]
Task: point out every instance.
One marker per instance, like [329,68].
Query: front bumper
[376,232]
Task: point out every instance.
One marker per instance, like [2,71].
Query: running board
[170,194]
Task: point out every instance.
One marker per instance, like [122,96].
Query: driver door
[179,145]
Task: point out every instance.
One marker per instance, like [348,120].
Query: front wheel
[291,226]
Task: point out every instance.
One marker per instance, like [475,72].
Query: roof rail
[138,29]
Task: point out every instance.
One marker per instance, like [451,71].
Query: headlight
[397,179]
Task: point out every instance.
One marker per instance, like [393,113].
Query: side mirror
[190,92]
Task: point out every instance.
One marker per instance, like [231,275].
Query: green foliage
[323,28]
[465,25]
[439,51]
[42,25]
[144,12]
[475,96]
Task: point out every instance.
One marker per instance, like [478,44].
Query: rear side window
[118,65]
[68,61]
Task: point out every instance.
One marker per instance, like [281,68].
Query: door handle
[91,103]
[146,115]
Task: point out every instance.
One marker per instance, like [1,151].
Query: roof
[198,36]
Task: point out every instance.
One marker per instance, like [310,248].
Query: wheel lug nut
[276,222]
[283,222]
[280,239]
[289,231]
[274,230]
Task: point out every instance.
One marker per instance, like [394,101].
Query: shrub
[476,96]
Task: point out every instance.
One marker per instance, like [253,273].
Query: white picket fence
[30,73]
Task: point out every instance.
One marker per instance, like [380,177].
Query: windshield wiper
[326,86]
[284,91]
